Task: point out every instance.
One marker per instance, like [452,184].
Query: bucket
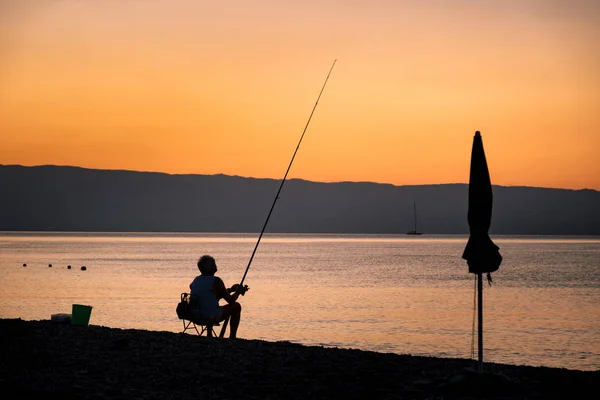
[81,315]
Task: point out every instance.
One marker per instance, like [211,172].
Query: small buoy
[83,268]
[68,267]
[24,265]
[49,265]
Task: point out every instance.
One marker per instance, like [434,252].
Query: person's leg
[233,311]
[235,319]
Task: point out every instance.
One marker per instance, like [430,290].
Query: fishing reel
[235,288]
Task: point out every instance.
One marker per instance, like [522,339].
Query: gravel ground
[44,358]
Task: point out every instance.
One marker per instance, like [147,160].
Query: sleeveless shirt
[201,287]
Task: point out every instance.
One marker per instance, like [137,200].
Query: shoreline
[98,362]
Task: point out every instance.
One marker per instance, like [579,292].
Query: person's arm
[222,292]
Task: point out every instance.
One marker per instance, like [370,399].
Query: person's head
[207,265]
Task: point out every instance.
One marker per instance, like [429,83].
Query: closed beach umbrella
[481,253]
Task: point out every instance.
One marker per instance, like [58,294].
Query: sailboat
[414,232]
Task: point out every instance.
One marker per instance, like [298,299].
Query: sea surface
[384,293]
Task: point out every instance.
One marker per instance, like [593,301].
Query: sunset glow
[227,87]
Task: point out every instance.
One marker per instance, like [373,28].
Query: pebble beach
[46,358]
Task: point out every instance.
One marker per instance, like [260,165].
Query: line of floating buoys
[83,268]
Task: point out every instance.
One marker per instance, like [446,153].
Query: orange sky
[226,87]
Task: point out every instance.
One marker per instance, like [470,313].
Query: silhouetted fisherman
[205,292]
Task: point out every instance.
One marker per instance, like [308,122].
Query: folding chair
[186,311]
[209,329]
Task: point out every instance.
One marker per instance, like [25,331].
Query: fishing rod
[286,174]
[241,284]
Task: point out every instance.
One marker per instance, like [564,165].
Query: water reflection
[382,293]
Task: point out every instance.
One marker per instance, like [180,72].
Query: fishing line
[286,173]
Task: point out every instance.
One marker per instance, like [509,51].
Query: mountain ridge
[65,198]
[276,179]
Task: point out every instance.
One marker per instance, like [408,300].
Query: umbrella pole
[480,322]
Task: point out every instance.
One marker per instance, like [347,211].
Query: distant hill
[53,198]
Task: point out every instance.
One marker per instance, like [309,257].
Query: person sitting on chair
[208,289]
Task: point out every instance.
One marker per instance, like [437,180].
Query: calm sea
[386,293]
